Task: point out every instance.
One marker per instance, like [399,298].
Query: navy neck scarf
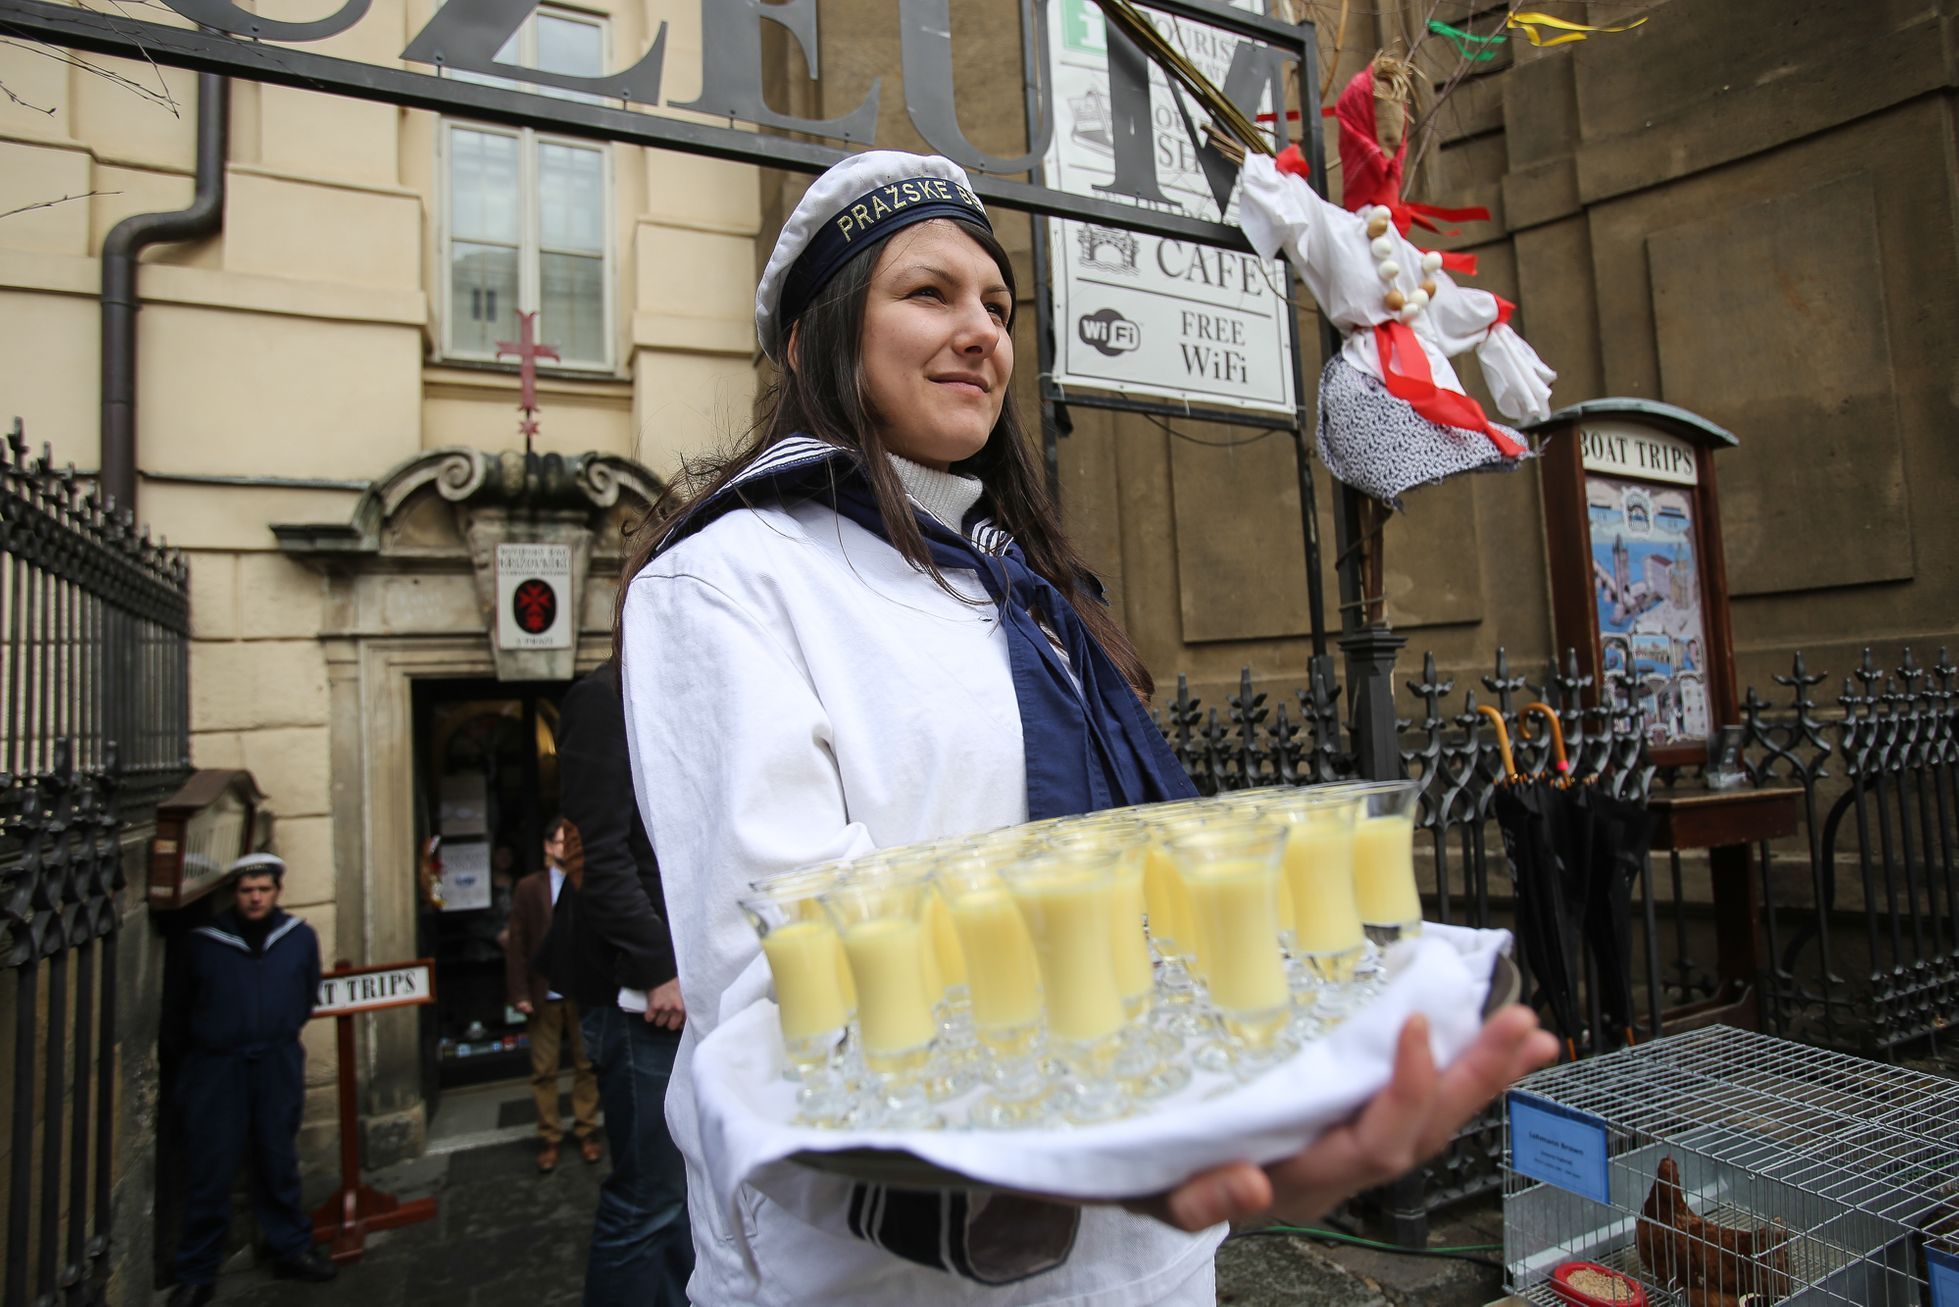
[1086,749]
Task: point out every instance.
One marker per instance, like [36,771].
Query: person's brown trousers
[554,1022]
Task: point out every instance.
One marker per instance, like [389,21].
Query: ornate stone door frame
[408,602]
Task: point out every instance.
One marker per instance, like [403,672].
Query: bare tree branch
[73,60]
[8,92]
[49,204]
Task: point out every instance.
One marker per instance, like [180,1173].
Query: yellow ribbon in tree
[1529,21]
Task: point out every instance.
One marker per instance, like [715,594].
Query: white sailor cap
[865,197]
[259,864]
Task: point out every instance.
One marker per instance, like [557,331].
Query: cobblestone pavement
[505,1236]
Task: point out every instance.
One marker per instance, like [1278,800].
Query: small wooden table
[1727,823]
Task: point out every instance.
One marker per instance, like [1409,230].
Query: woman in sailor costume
[864,629]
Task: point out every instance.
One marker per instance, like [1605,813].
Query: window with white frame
[526,217]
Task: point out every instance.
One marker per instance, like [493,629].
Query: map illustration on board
[1646,584]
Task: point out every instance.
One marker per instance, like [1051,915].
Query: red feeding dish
[1587,1284]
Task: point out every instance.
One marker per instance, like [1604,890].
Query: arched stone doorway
[411,620]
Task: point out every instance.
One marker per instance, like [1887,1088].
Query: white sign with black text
[368,989]
[1144,315]
[534,599]
[1623,449]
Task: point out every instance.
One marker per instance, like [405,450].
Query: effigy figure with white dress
[1392,412]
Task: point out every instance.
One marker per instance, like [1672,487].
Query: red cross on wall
[528,352]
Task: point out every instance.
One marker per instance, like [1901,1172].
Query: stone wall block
[278,598]
[56,179]
[293,766]
[262,684]
[318,1037]
[213,749]
[213,596]
[306,843]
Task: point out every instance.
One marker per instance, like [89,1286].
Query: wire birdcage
[1740,1171]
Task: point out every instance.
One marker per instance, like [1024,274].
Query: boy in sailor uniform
[245,989]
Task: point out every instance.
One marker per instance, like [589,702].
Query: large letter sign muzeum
[1146,315]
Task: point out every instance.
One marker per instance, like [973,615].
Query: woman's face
[936,353]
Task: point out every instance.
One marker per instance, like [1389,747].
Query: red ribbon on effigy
[1405,370]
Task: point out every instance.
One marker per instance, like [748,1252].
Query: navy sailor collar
[794,462]
[277,933]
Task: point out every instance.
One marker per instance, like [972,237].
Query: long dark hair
[825,395]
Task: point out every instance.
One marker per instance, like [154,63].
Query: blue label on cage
[1942,1269]
[1561,1147]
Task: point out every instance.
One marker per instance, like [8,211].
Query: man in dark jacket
[243,992]
[550,1018]
[610,952]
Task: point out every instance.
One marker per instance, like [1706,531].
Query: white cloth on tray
[745,1104]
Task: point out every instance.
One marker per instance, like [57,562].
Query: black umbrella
[1541,826]
[1616,835]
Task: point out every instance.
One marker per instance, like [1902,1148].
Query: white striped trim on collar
[990,536]
[804,451]
[223,937]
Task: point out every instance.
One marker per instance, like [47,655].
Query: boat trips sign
[1144,315]
[369,989]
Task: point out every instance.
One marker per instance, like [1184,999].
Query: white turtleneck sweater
[795,691]
[947,496]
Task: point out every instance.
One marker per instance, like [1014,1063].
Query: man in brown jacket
[552,1019]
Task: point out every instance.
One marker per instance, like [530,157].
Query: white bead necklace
[1408,307]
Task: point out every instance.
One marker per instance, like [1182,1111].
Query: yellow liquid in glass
[1319,866]
[1163,895]
[1068,919]
[894,1011]
[802,959]
[1237,911]
[1384,871]
[945,942]
[1002,975]
[812,912]
[1129,947]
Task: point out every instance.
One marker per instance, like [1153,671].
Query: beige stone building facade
[327,362]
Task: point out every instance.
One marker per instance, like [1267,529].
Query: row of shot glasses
[1080,969]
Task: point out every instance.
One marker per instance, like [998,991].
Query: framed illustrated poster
[1638,583]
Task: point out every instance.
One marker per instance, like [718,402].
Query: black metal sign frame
[466,34]
[232,54]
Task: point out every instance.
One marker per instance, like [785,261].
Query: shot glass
[803,954]
[1003,982]
[1230,869]
[880,921]
[1326,940]
[1384,860]
[1066,898]
[1148,1058]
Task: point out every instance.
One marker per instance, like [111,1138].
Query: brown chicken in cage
[1716,1265]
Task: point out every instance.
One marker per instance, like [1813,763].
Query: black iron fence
[1251,741]
[1861,913]
[94,625]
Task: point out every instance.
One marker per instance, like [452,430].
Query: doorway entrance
[486,784]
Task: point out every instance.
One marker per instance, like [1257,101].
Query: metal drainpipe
[120,252]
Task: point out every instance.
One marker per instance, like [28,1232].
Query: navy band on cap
[860,224]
